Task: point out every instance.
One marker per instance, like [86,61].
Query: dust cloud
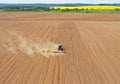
[15,42]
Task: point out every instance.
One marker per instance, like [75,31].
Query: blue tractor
[60,47]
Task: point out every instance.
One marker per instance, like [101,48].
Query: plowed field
[91,43]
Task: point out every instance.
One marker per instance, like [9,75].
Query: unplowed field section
[92,52]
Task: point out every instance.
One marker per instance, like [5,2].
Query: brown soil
[92,50]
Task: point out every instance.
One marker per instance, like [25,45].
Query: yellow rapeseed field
[86,7]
